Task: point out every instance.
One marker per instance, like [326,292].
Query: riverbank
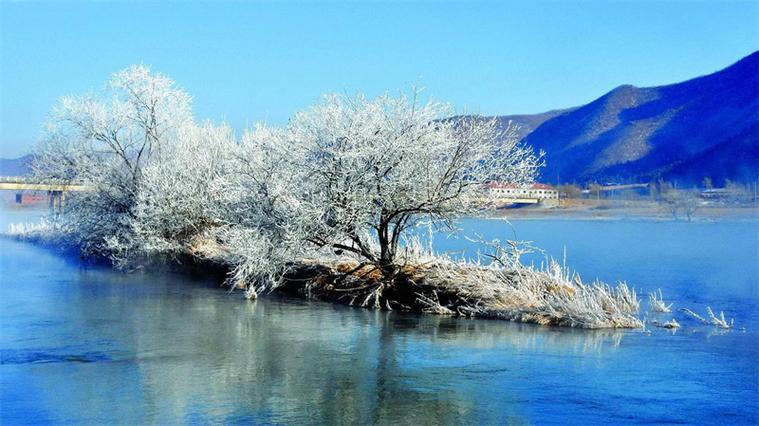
[583,209]
[568,209]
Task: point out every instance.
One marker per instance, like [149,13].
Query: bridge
[20,183]
[55,189]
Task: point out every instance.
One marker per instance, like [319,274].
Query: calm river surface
[83,344]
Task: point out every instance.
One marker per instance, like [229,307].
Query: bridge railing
[22,183]
[27,179]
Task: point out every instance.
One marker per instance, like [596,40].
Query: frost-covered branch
[366,170]
[719,321]
[106,141]
[657,303]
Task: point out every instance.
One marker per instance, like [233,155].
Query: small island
[329,206]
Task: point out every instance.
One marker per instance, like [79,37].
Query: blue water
[84,344]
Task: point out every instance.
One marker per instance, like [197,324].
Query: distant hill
[683,132]
[529,122]
[16,166]
[707,126]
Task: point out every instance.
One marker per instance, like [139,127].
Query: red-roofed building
[537,191]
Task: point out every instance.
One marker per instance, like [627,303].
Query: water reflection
[302,362]
[89,345]
[162,350]
[485,334]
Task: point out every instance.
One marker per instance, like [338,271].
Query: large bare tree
[361,172]
[105,141]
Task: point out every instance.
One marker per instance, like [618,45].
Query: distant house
[30,198]
[537,191]
[616,190]
[715,194]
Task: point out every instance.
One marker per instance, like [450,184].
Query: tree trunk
[388,247]
[387,259]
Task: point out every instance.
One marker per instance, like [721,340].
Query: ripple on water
[47,356]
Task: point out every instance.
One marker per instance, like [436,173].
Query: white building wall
[525,193]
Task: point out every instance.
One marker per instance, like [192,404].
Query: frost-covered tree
[363,171]
[180,205]
[105,141]
[256,204]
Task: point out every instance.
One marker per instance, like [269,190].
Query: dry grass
[657,303]
[718,321]
[503,289]
[546,296]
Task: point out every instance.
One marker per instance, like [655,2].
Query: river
[85,344]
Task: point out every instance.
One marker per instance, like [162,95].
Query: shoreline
[584,210]
[516,292]
[605,210]
[423,284]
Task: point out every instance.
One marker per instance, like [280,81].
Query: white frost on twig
[695,315]
[658,304]
[719,321]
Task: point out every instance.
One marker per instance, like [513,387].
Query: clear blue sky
[249,62]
